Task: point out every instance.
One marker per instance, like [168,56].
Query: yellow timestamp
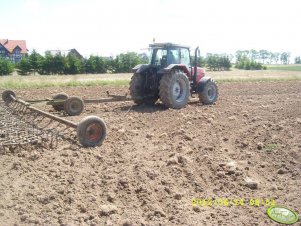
[233,202]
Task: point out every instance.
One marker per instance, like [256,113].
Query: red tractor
[171,77]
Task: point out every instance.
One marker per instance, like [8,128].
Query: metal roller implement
[21,123]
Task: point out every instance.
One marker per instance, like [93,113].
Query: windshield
[159,57]
[162,57]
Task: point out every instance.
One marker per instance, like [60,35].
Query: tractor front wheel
[174,89]
[209,94]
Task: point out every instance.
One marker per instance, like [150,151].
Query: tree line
[124,62]
[264,56]
[71,64]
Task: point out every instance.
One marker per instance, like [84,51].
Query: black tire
[91,131]
[74,106]
[174,89]
[7,96]
[209,94]
[136,88]
[60,96]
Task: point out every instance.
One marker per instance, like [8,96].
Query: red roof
[10,45]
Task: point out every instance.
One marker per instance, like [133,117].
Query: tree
[284,57]
[124,62]
[276,56]
[298,60]
[58,66]
[100,65]
[254,54]
[6,67]
[46,67]
[24,66]
[35,61]
[263,54]
[72,65]
[96,64]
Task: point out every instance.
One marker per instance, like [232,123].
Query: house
[13,50]
[72,52]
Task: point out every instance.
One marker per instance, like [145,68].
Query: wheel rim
[211,92]
[93,132]
[178,90]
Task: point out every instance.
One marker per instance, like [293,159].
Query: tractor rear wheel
[209,94]
[136,88]
[174,89]
[137,91]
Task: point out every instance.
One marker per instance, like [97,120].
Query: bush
[124,62]
[218,62]
[6,67]
[247,64]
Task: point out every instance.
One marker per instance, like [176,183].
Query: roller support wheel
[74,106]
[91,131]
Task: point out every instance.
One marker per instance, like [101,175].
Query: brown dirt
[156,160]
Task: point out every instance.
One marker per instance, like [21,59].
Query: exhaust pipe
[196,52]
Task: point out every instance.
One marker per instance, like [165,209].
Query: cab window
[185,57]
[160,58]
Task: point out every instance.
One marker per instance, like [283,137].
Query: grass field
[288,67]
[38,81]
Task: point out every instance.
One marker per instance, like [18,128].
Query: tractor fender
[201,85]
[140,68]
[181,67]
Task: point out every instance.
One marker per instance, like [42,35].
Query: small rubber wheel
[91,131]
[60,96]
[74,106]
[7,96]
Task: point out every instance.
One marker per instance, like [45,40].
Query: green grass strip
[284,79]
[23,84]
[18,83]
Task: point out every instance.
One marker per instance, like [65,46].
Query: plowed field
[157,165]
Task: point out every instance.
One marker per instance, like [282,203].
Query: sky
[110,27]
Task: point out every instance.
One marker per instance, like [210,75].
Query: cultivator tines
[14,131]
[22,123]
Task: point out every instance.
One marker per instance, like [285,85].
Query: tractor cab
[164,54]
[168,55]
